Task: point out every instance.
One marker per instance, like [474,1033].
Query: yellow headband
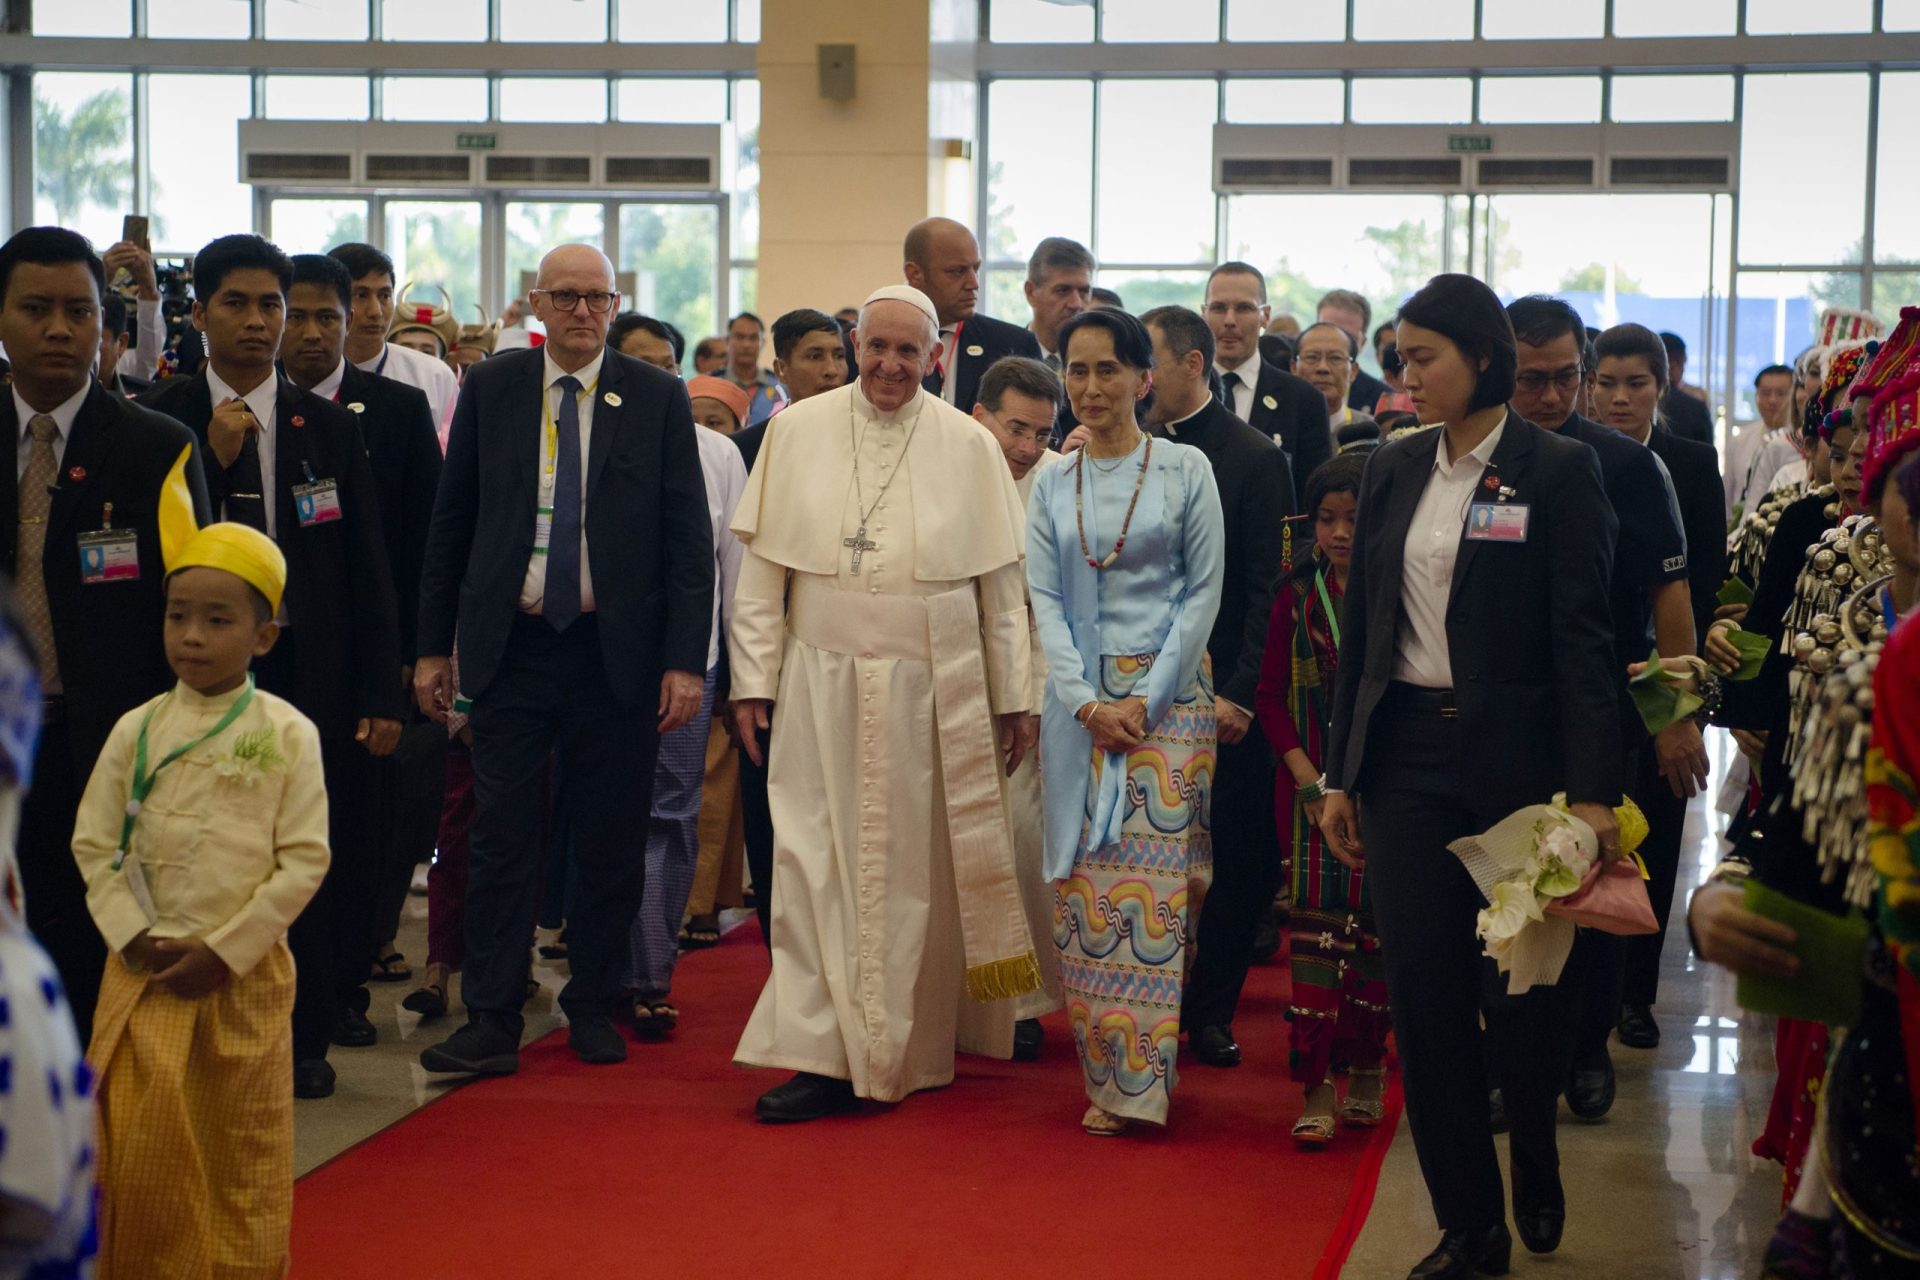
[246,553]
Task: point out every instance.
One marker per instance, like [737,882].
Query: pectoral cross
[860,545]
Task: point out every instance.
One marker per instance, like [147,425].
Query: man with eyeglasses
[1652,606]
[1284,408]
[1020,400]
[591,646]
[1326,357]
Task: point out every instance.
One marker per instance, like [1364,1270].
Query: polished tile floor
[1666,1186]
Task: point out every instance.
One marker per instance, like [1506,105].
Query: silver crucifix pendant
[860,544]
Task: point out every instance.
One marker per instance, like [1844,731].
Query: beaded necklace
[1079,510]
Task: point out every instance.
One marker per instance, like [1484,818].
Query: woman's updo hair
[1625,340]
[1131,345]
[1469,314]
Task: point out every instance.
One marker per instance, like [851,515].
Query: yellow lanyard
[552,429]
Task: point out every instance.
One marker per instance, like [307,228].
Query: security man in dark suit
[305,482]
[1630,380]
[1476,677]
[943,262]
[572,545]
[403,451]
[89,467]
[1256,497]
[1280,406]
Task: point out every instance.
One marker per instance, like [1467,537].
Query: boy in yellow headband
[202,834]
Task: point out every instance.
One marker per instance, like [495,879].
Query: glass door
[436,245]
[674,254]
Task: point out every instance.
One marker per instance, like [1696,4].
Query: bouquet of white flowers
[1526,866]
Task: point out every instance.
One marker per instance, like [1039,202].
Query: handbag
[1612,899]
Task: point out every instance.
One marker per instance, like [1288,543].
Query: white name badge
[317,503]
[109,555]
[1497,522]
[542,529]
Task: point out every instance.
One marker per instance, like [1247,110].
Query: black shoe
[1028,1036]
[1266,939]
[312,1078]
[1539,1213]
[484,1047]
[353,1031]
[805,1097]
[1214,1046]
[1637,1028]
[1497,1110]
[1590,1092]
[1486,1251]
[594,1039]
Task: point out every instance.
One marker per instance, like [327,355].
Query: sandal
[700,932]
[429,999]
[390,967]
[1103,1124]
[1314,1131]
[1364,1113]
[654,1019]
[555,950]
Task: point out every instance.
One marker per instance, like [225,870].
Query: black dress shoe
[1637,1028]
[312,1078]
[352,1030]
[1485,1251]
[805,1097]
[1214,1046]
[1028,1036]
[1497,1110]
[1590,1091]
[1539,1212]
[1266,939]
[594,1039]
[484,1047]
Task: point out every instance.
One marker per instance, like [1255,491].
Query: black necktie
[561,601]
[1228,385]
[246,491]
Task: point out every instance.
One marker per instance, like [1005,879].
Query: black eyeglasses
[598,303]
[1564,379]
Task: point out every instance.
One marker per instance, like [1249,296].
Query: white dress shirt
[142,359]
[63,415]
[418,369]
[264,401]
[1432,548]
[725,472]
[949,358]
[1240,398]
[328,388]
[533,587]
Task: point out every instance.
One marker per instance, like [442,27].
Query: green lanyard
[1333,619]
[143,780]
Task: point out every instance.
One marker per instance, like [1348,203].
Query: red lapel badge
[1491,484]
[76,474]
[299,421]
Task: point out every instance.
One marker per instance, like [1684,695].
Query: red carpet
[656,1168]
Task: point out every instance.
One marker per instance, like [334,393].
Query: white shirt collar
[262,399]
[588,373]
[1479,460]
[1248,369]
[1173,428]
[62,414]
[329,387]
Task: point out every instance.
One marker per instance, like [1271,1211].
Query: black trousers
[412,783]
[1246,873]
[1414,804]
[332,939]
[1667,820]
[756,821]
[50,879]
[552,694]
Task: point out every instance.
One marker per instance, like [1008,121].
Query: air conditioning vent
[1260,174]
[293,166]
[1410,171]
[404,169]
[1673,172]
[660,171]
[571,171]
[1508,171]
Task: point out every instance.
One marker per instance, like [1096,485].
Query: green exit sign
[1469,142]
[476,141]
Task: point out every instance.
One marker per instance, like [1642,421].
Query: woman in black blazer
[1476,676]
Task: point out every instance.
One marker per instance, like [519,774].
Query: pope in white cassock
[880,621]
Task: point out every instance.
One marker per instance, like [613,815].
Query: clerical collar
[866,407]
[328,388]
[1173,428]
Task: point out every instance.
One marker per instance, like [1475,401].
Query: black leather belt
[1416,697]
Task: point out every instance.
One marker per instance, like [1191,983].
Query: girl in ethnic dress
[1124,566]
[1339,977]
